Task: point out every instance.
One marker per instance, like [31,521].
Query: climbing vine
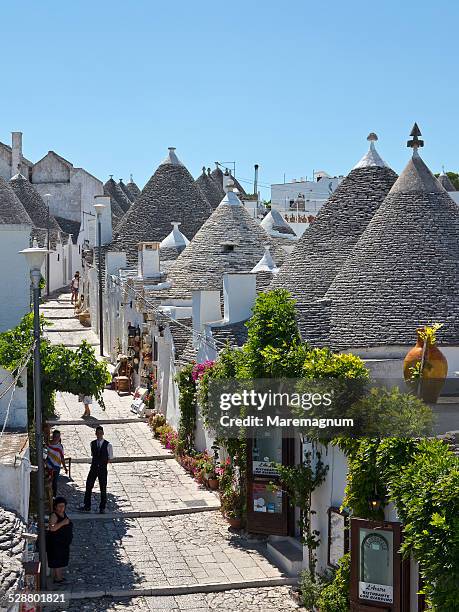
[421,477]
[187,406]
[299,482]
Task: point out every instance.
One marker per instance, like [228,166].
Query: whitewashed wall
[17,416]
[14,275]
[15,483]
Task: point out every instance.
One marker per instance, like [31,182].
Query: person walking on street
[87,401]
[55,458]
[58,539]
[102,454]
[75,287]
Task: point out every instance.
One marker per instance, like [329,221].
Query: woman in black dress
[58,540]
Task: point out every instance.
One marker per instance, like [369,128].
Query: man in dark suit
[102,454]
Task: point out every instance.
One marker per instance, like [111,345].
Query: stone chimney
[16,156]
[148,261]
[205,308]
[239,294]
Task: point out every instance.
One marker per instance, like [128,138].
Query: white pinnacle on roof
[231,198]
[266,263]
[18,177]
[174,240]
[275,225]
[172,158]
[372,157]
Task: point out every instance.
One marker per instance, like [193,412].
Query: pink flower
[200,369]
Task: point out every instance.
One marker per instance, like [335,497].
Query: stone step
[95,516]
[286,555]
[95,422]
[57,330]
[131,459]
[185,589]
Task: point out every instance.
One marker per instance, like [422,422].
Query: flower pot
[434,373]
[213,483]
[235,523]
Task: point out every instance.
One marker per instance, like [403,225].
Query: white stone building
[300,200]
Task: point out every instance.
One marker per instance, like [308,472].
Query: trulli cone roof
[124,188]
[229,241]
[210,189]
[325,245]
[119,201]
[11,209]
[133,188]
[404,270]
[170,195]
[446,183]
[33,203]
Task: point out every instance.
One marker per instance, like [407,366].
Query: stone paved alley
[163,542]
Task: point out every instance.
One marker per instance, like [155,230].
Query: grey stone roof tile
[133,189]
[33,202]
[12,210]
[11,548]
[210,188]
[124,188]
[119,201]
[229,241]
[170,195]
[233,333]
[445,182]
[181,335]
[69,227]
[325,245]
[404,271]
[217,175]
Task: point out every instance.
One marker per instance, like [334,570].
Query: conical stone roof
[217,175]
[11,209]
[210,188]
[229,241]
[170,195]
[119,201]
[446,183]
[133,189]
[404,270]
[327,242]
[33,203]
[125,190]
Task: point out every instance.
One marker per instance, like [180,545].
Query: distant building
[300,200]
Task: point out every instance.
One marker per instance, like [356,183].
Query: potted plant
[425,367]
[209,471]
[234,518]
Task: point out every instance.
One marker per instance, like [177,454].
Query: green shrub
[334,597]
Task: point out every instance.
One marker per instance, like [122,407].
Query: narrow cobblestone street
[163,544]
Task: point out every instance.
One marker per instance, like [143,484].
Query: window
[228,248]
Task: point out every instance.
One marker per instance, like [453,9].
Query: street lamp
[47,198]
[35,258]
[99,210]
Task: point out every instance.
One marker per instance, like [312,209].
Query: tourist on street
[55,458]
[58,539]
[87,401]
[75,286]
[102,454]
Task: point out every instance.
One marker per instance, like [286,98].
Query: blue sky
[291,85]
